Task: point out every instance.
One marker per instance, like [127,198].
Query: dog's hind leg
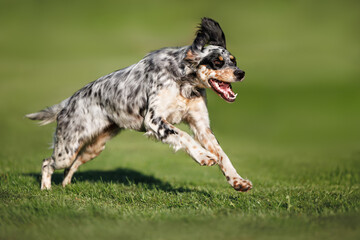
[89,152]
[62,158]
[57,161]
[46,171]
[65,152]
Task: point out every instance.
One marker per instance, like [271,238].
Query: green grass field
[294,129]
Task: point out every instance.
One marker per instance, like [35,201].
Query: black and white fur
[166,87]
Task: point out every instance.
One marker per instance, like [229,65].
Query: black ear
[209,33]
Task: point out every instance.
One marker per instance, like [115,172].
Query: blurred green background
[296,118]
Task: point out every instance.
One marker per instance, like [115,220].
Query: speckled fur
[166,87]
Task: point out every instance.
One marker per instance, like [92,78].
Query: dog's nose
[239,74]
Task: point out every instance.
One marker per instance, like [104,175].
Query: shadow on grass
[121,175]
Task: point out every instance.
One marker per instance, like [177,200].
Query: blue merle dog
[166,87]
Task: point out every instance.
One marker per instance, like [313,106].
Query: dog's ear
[209,32]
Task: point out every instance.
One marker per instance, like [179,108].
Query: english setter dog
[166,87]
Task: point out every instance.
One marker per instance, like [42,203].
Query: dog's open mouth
[223,89]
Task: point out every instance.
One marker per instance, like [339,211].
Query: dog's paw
[205,158]
[202,156]
[241,185]
[45,185]
[208,161]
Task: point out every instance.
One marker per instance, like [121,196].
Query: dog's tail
[49,114]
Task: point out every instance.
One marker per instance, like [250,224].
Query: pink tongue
[226,87]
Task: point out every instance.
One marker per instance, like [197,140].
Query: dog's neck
[189,91]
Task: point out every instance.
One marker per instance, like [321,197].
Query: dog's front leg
[167,133]
[198,120]
[208,140]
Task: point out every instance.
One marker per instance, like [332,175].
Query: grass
[294,129]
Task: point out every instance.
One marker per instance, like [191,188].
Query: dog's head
[213,64]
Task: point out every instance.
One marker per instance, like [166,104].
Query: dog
[166,87]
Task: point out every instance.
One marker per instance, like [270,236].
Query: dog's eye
[233,59]
[218,63]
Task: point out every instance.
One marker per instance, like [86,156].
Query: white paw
[66,181]
[240,184]
[45,184]
[205,158]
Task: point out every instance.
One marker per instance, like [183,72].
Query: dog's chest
[174,106]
